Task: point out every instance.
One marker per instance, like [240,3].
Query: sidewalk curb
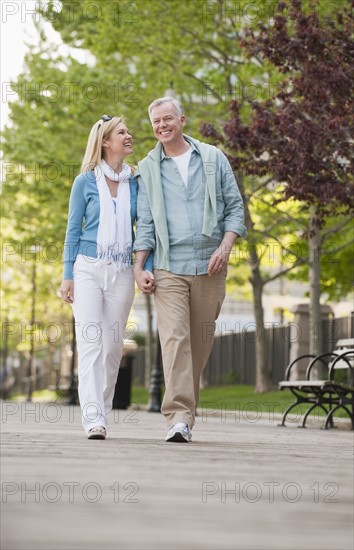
[273,419]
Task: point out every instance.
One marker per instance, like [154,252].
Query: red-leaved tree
[302,138]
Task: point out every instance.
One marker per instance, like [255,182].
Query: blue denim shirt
[189,249]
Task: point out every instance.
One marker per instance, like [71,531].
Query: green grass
[217,399]
[242,398]
[140,395]
[42,395]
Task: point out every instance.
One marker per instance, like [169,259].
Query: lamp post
[31,361]
[156,380]
[72,390]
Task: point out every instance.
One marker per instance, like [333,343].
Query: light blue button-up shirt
[189,249]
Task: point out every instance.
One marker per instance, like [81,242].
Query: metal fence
[336,329]
[232,361]
[233,358]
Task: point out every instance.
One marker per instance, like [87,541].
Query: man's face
[167,124]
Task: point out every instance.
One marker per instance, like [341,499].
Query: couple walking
[188,212]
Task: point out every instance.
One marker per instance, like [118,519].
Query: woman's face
[120,142]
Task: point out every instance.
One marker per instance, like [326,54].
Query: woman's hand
[67,290]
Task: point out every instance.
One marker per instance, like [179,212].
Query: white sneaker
[179,433]
[98,432]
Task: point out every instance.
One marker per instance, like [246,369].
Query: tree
[130,63]
[302,137]
[59,98]
[153,43]
[309,133]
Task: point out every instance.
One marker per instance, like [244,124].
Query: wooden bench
[328,394]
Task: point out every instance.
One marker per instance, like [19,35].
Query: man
[190,212]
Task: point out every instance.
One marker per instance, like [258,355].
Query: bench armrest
[320,358]
[289,367]
[342,357]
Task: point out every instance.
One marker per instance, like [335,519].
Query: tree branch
[282,246]
[264,184]
[284,271]
[208,43]
[335,228]
[205,84]
[342,246]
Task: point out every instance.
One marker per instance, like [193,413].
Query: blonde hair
[100,131]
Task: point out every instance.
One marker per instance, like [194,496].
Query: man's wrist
[228,241]
[139,260]
[226,247]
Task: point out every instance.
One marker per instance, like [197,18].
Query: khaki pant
[187,307]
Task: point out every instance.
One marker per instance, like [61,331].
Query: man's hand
[145,281]
[144,278]
[220,258]
[67,290]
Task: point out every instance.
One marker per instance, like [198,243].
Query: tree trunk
[314,277]
[263,371]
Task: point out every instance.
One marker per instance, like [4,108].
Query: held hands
[145,281]
[67,290]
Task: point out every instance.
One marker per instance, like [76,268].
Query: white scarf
[114,236]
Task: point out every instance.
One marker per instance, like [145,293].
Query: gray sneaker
[179,433]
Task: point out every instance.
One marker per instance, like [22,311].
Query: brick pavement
[241,484]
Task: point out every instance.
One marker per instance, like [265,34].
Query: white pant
[102,302]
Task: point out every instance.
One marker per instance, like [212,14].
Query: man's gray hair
[167,99]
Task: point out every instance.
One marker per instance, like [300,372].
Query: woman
[98,273]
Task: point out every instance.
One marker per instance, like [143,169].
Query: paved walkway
[242,484]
